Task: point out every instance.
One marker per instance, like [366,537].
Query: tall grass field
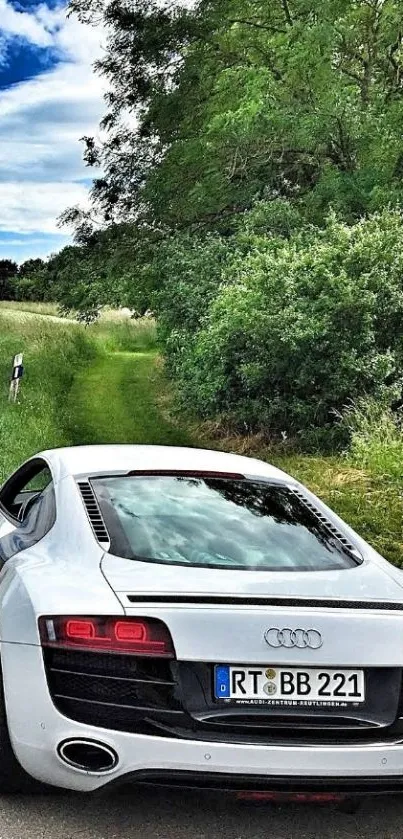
[70,392]
[53,352]
[29,306]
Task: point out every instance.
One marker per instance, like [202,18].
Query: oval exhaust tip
[87,755]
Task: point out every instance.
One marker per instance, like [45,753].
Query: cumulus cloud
[24,25]
[33,207]
[43,118]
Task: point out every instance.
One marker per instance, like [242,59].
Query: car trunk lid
[223,616]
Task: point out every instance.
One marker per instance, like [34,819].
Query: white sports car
[192,617]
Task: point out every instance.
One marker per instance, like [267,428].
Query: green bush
[295,329]
[190,269]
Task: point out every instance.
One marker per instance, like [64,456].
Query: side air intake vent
[328,524]
[94,513]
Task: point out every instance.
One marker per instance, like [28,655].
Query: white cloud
[24,25]
[43,118]
[48,27]
[33,207]
[24,241]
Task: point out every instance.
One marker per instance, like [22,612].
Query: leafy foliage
[297,328]
[242,99]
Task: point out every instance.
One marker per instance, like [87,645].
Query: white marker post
[17,374]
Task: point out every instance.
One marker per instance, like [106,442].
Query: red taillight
[139,636]
[131,631]
[80,630]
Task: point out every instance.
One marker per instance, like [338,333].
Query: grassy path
[114,401]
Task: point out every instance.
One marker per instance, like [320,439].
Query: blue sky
[49,98]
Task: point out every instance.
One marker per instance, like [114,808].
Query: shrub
[295,328]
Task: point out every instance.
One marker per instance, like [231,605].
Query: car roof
[86,460]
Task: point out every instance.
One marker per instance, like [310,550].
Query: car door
[27,508]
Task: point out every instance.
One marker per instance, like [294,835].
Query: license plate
[289,684]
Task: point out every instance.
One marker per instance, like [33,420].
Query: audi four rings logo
[301,638]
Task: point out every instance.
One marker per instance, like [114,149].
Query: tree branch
[277,74]
[256,25]
[353,75]
[287,12]
[391,55]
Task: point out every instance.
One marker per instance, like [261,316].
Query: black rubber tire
[13,778]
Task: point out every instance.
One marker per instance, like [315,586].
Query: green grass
[53,352]
[122,334]
[368,501]
[29,306]
[116,401]
[376,439]
[75,390]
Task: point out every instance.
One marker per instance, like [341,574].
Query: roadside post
[17,374]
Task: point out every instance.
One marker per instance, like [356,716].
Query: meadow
[53,352]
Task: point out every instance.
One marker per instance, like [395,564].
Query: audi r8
[193,617]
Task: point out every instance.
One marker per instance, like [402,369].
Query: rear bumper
[289,785]
[37,728]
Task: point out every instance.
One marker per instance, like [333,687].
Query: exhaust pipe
[87,755]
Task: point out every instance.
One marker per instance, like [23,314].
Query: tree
[32,281]
[118,266]
[31,266]
[235,100]
[8,270]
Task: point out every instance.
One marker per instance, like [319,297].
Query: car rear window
[216,523]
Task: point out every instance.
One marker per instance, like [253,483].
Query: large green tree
[212,106]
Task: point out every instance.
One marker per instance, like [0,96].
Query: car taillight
[139,636]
